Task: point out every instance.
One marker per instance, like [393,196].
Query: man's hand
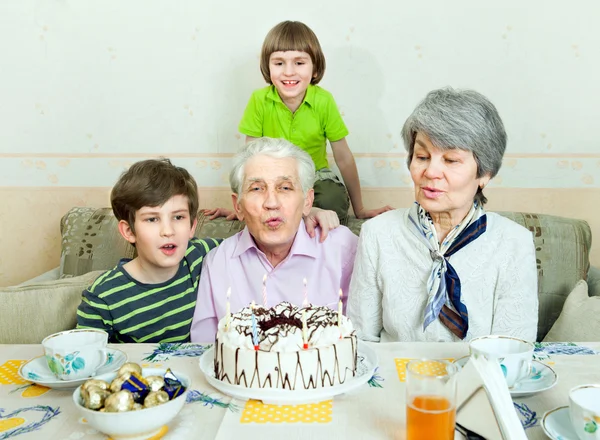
[220,212]
[327,220]
[370,213]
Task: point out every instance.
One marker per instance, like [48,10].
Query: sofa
[91,244]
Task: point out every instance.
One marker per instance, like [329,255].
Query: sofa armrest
[30,313]
[51,275]
[593,281]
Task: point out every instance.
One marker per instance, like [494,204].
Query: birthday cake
[285,347]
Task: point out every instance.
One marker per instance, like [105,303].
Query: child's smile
[291,73]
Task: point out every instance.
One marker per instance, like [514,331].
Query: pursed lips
[273,222]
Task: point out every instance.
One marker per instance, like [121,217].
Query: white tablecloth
[375,410]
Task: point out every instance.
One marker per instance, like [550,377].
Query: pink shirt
[239,264]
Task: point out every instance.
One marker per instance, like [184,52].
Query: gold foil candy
[95,382]
[155,383]
[120,401]
[118,382]
[155,398]
[137,407]
[128,368]
[94,397]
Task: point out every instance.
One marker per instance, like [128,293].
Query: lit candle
[264,291]
[304,330]
[305,293]
[254,331]
[228,310]
[340,306]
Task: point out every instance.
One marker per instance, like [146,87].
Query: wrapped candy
[173,386]
[130,391]
[95,382]
[120,401]
[155,398]
[94,396]
[137,385]
[128,368]
[118,382]
[155,383]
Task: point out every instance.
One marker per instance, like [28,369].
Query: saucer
[36,370]
[541,378]
[556,424]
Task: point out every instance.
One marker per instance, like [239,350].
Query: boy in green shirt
[293,107]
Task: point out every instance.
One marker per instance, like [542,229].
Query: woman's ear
[484,180]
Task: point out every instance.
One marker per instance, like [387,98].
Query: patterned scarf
[444,284]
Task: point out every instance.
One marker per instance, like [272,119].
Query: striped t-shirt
[131,311]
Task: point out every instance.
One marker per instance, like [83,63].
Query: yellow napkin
[484,404]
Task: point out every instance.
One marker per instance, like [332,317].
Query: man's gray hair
[277,148]
[463,119]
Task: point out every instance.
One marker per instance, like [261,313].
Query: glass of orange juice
[430,399]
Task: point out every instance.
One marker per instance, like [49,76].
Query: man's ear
[308,201]
[126,231]
[237,206]
[193,230]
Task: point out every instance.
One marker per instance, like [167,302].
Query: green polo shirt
[316,120]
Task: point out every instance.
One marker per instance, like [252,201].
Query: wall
[89,87]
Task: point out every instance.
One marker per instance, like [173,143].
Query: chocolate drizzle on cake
[275,321]
[281,361]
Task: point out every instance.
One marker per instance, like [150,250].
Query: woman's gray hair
[463,119]
[277,148]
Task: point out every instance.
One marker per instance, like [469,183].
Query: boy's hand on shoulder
[220,212]
[370,213]
[327,220]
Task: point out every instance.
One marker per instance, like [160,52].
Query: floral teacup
[584,408]
[75,354]
[514,355]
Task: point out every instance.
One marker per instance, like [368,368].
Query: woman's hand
[370,213]
[214,213]
[326,220]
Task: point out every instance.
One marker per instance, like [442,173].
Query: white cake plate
[367,362]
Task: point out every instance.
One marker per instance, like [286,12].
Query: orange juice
[429,418]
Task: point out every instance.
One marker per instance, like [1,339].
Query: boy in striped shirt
[152,297]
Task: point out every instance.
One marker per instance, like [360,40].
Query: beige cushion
[579,320]
[30,313]
[91,241]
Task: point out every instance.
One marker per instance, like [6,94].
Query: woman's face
[445,180]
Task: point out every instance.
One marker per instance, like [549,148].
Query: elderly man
[272,184]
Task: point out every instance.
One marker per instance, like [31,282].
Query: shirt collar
[303,243]
[309,97]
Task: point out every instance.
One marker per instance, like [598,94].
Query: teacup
[584,407]
[514,355]
[75,354]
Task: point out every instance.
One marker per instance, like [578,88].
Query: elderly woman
[272,184]
[444,269]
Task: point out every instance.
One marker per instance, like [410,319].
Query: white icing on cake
[281,360]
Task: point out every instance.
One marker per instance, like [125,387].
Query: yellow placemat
[257,412]
[9,372]
[401,366]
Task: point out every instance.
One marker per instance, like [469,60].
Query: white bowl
[144,423]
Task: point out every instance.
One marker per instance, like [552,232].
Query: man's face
[271,202]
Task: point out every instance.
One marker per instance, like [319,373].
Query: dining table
[374,410]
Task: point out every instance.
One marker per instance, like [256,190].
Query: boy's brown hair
[292,35]
[152,183]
